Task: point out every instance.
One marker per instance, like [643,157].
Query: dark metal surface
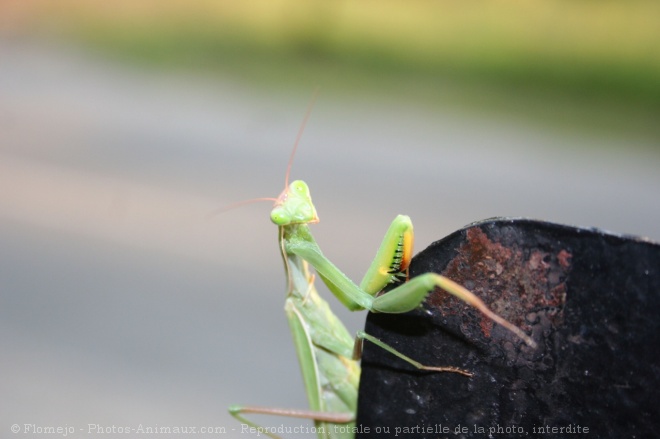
[590,300]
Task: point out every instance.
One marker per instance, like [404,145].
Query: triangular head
[294,206]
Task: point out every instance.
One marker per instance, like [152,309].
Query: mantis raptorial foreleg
[389,266]
[327,353]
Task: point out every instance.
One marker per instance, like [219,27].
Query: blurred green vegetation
[584,64]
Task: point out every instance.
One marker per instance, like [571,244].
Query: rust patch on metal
[564,258]
[517,284]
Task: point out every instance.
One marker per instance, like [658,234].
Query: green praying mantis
[327,353]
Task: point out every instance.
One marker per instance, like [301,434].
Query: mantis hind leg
[357,353]
[237,412]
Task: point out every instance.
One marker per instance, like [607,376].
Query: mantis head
[294,206]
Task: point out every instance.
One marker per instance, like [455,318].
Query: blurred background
[124,125]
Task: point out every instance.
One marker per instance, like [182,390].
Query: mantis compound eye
[300,188]
[280,216]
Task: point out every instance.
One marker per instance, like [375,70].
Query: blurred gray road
[123,304]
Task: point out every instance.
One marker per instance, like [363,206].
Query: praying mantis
[327,353]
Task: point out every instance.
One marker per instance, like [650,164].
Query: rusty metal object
[590,299]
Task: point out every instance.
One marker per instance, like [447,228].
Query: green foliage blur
[584,64]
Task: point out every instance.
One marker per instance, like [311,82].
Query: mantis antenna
[308,112]
[232,206]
